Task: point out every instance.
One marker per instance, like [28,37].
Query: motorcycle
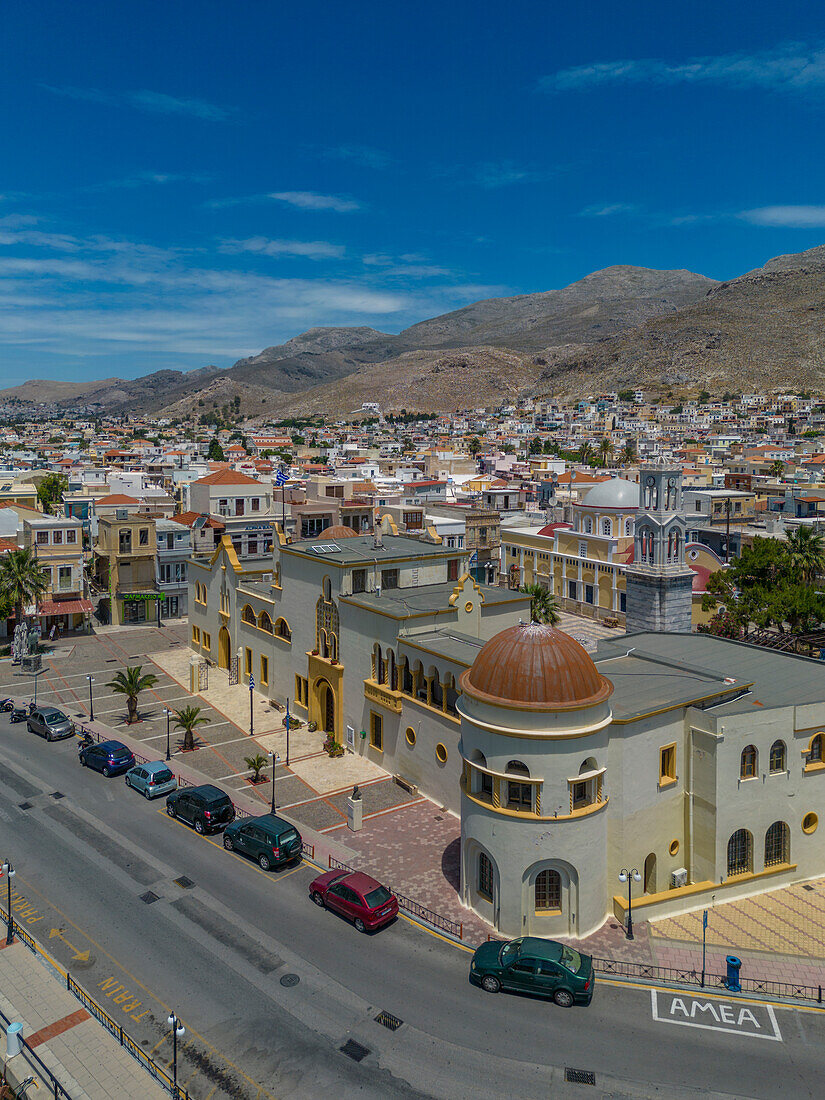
[19,713]
[6,704]
[85,739]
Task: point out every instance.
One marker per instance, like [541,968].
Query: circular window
[809,823]
[410,736]
[674,847]
[441,753]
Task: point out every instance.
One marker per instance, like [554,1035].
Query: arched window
[264,622]
[282,630]
[450,692]
[548,891]
[420,682]
[587,525]
[607,527]
[392,674]
[646,550]
[777,844]
[519,795]
[815,752]
[406,678]
[326,623]
[484,779]
[673,544]
[248,615]
[436,691]
[327,589]
[628,526]
[377,664]
[749,762]
[740,853]
[485,876]
[778,754]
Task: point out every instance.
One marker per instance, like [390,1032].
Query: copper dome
[338,531]
[535,667]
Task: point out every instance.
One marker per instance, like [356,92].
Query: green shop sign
[142,596]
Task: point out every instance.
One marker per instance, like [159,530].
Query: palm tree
[806,553]
[22,580]
[256,765]
[186,719]
[777,468]
[542,605]
[605,450]
[585,452]
[628,453]
[131,683]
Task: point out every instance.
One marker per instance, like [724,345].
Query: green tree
[704,397]
[605,451]
[215,452]
[22,580]
[777,468]
[474,446]
[543,607]
[256,765]
[628,454]
[535,445]
[585,452]
[131,683]
[50,491]
[806,553]
[186,719]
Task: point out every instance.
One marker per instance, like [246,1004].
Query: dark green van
[532,965]
[269,839]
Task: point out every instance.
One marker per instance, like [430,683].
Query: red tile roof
[227,477]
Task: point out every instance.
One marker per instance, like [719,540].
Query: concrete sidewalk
[86,1059]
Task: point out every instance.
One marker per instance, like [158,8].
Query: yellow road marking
[212,1092]
[146,990]
[160,1042]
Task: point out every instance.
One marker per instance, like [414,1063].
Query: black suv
[208,808]
[269,839]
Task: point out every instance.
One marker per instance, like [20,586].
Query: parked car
[109,757]
[151,779]
[49,723]
[269,839]
[532,965]
[208,808]
[356,896]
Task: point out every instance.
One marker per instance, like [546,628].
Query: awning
[65,607]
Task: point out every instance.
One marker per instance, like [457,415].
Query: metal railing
[35,1060]
[647,972]
[414,908]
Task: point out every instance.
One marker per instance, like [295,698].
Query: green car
[269,839]
[532,965]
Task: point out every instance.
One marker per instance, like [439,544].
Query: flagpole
[286,725]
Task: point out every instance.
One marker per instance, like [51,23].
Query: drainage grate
[25,805]
[149,897]
[184,882]
[579,1076]
[807,887]
[289,980]
[111,661]
[354,1050]
[386,1019]
[57,794]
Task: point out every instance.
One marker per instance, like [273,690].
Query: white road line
[739,1014]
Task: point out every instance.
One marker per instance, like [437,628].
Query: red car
[356,896]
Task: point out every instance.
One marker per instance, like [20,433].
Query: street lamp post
[9,872]
[629,877]
[177,1029]
[251,714]
[91,680]
[274,757]
[168,714]
[286,727]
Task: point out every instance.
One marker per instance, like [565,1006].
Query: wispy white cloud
[145,100]
[364,155]
[793,66]
[312,200]
[608,210]
[311,250]
[786,217]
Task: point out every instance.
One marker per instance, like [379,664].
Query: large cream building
[696,760]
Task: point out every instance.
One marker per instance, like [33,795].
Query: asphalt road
[97,869]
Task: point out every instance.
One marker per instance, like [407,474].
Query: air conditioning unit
[678,878]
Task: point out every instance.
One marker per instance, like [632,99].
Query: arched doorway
[326,706]
[223,648]
[650,874]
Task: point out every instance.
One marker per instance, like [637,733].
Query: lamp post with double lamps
[177,1030]
[9,872]
[274,757]
[91,680]
[168,714]
[629,877]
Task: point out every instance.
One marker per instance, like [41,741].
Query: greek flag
[281,478]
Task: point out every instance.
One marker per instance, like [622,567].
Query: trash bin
[13,1040]
[732,980]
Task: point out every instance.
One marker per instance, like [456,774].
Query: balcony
[148,587]
[382,695]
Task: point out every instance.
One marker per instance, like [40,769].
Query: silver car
[50,723]
[151,779]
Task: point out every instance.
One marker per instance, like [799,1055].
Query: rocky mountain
[617,328]
[761,331]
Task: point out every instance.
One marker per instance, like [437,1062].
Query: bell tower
[659,584]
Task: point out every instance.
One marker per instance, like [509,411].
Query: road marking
[78,955]
[127,1002]
[22,909]
[676,1007]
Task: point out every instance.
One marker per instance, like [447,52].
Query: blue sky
[185,182]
